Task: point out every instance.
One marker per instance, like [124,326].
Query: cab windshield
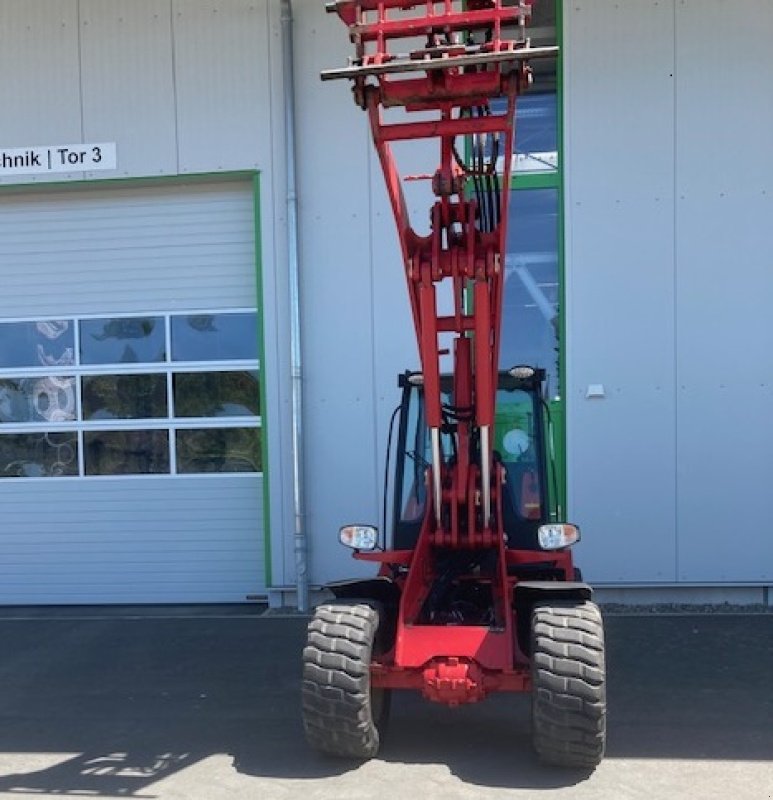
[518,445]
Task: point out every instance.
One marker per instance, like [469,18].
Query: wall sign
[58,158]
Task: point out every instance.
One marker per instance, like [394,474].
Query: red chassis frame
[452,80]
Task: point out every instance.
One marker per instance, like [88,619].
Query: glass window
[536,136]
[515,428]
[123,340]
[46,399]
[418,456]
[215,337]
[48,343]
[536,128]
[124,397]
[38,455]
[516,441]
[219,450]
[217,394]
[105,387]
[126,452]
[530,314]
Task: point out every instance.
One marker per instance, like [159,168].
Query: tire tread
[569,684]
[336,700]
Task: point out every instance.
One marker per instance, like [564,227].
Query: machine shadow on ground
[138,700]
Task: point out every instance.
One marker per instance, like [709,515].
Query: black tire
[569,704]
[342,715]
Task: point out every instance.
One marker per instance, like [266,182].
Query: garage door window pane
[44,399]
[215,337]
[219,450]
[126,452]
[38,455]
[48,343]
[124,397]
[217,394]
[123,340]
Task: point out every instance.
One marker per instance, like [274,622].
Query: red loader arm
[458,61]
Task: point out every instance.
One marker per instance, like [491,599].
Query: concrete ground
[205,705]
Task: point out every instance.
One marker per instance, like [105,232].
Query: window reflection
[515,441]
[71,404]
[44,399]
[122,340]
[536,138]
[219,450]
[126,452]
[217,394]
[38,455]
[124,397]
[530,311]
[536,135]
[215,337]
[47,343]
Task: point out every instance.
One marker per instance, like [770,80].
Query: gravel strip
[622,609]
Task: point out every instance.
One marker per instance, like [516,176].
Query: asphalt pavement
[203,704]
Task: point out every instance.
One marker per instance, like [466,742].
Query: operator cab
[520,444]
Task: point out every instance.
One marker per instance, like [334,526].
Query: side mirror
[359,537]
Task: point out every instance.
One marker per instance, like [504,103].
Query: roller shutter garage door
[130,415]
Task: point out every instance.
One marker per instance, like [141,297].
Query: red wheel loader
[477,591]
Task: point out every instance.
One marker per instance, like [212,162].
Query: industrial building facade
[146,364]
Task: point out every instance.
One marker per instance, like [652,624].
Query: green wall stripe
[264,411]
[536,180]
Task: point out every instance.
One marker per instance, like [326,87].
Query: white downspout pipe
[300,540]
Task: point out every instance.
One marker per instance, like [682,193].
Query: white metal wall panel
[222,84]
[135,540]
[724,287]
[40,68]
[620,286]
[127,84]
[337,297]
[115,250]
[181,86]
[138,539]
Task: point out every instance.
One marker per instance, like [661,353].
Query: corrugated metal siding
[140,539]
[129,249]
